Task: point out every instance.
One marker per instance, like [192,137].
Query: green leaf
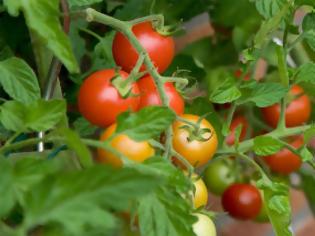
[145,124]
[267,145]
[306,155]
[262,94]
[42,17]
[74,142]
[270,26]
[309,134]
[309,37]
[237,135]
[82,3]
[81,199]
[165,212]
[38,116]
[305,73]
[83,127]
[269,8]
[19,80]
[308,183]
[276,198]
[225,92]
[309,22]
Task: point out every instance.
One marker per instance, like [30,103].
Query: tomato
[136,151]
[239,120]
[160,48]
[219,175]
[204,226]
[242,201]
[100,102]
[196,152]
[238,74]
[150,95]
[297,112]
[284,161]
[200,197]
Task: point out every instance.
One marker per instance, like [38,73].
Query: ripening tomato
[200,196]
[149,95]
[100,102]
[160,48]
[136,151]
[242,201]
[238,120]
[298,111]
[284,161]
[196,152]
[219,175]
[204,226]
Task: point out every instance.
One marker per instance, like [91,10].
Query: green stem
[230,115]
[248,144]
[158,19]
[12,138]
[125,28]
[282,123]
[282,66]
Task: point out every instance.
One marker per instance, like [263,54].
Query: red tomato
[160,48]
[297,112]
[150,95]
[100,102]
[285,162]
[238,74]
[242,201]
[238,120]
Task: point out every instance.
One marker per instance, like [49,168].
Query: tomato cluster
[100,101]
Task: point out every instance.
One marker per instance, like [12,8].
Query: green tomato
[219,175]
[204,226]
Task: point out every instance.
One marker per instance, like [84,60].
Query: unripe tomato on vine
[204,226]
[297,112]
[200,195]
[149,95]
[100,102]
[160,48]
[133,150]
[187,142]
[242,201]
[284,161]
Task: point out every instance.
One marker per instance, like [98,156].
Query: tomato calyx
[167,30]
[197,133]
[124,86]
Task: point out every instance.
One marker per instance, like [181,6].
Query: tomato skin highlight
[218,177]
[284,161]
[161,49]
[149,95]
[200,197]
[238,120]
[133,150]
[297,112]
[196,152]
[204,226]
[242,201]
[100,102]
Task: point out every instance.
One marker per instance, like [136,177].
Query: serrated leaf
[276,198]
[305,73]
[309,134]
[38,116]
[268,8]
[19,80]
[225,92]
[262,94]
[145,124]
[306,155]
[269,26]
[81,199]
[42,17]
[267,145]
[82,3]
[74,142]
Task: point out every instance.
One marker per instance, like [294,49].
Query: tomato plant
[135,76]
